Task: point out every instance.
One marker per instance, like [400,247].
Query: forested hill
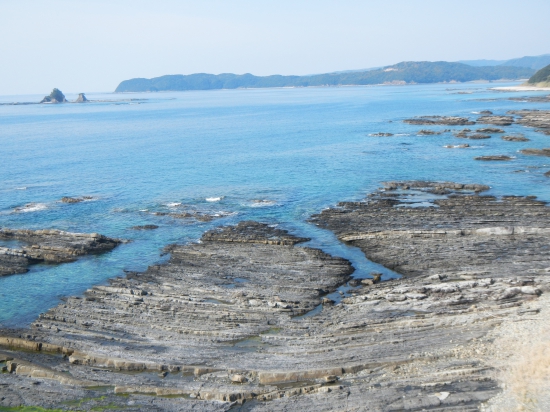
[542,77]
[401,73]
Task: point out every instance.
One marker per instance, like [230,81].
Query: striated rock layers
[539,119]
[439,120]
[48,246]
[215,328]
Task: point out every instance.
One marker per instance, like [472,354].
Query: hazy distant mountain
[531,62]
[541,78]
[401,73]
[480,63]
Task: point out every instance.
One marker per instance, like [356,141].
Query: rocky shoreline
[221,325]
[48,246]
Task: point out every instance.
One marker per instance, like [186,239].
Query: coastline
[246,317]
[226,313]
[521,89]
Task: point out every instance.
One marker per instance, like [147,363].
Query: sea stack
[81,98]
[56,96]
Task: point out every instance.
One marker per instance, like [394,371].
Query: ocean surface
[274,155]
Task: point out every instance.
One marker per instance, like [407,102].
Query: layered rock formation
[536,152]
[515,138]
[48,246]
[496,120]
[440,120]
[539,119]
[221,320]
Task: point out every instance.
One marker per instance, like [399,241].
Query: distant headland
[540,78]
[398,74]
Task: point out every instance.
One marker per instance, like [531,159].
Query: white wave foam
[402,134]
[31,207]
[262,203]
[173,204]
[21,188]
[214,199]
[224,214]
[476,113]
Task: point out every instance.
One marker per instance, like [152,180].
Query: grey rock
[496,120]
[50,246]
[515,138]
[539,119]
[490,130]
[56,96]
[458,146]
[400,345]
[536,152]
[494,158]
[145,227]
[381,134]
[440,120]
[81,98]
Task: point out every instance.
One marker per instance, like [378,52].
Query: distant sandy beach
[521,88]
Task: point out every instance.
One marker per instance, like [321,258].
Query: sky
[92,45]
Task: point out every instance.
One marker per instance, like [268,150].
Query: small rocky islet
[57,96]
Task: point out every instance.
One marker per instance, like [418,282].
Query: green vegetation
[541,78]
[27,409]
[402,73]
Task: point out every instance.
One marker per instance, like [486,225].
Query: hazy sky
[92,45]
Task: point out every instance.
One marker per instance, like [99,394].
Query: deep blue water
[296,150]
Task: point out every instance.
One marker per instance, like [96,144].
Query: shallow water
[275,155]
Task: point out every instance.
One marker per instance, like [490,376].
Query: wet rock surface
[144,227]
[426,132]
[472,134]
[496,120]
[457,146]
[209,314]
[532,99]
[490,130]
[493,158]
[440,120]
[515,138]
[199,216]
[215,327]
[536,152]
[539,119]
[67,199]
[381,134]
[48,246]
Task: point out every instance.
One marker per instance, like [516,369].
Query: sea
[273,155]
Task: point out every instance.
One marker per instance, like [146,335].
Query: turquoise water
[275,155]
